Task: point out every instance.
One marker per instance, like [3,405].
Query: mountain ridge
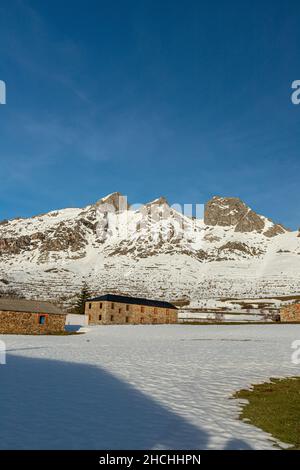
[153,250]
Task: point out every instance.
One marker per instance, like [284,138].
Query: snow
[136,261]
[161,387]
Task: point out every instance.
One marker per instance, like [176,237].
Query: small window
[127,319]
[167,312]
[142,319]
[90,306]
[111,318]
[100,317]
[142,309]
[100,305]
[42,319]
[112,306]
[127,308]
[120,310]
[155,310]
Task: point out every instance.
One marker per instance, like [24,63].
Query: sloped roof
[133,300]
[30,306]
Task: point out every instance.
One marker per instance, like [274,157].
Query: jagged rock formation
[153,250]
[233,212]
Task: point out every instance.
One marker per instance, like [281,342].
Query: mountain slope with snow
[153,251]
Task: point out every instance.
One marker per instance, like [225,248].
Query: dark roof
[133,300]
[29,306]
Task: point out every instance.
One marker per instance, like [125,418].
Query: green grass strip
[275,408]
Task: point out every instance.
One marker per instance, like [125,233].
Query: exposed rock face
[161,201]
[226,212]
[64,238]
[232,247]
[250,222]
[113,202]
[277,229]
[14,246]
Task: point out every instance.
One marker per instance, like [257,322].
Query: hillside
[152,251]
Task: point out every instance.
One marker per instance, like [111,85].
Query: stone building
[30,317]
[117,309]
[290,313]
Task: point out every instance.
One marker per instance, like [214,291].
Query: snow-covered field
[162,387]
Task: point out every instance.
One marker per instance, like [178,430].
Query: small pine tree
[82,297]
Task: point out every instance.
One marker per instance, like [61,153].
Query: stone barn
[290,313]
[118,310]
[30,317]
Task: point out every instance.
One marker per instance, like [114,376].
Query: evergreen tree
[82,297]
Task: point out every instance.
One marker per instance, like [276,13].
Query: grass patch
[275,408]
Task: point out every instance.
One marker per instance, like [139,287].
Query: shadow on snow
[48,404]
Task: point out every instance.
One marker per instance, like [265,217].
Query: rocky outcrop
[250,222]
[224,211]
[161,201]
[232,212]
[275,230]
[113,202]
[14,246]
[60,238]
[64,238]
[240,247]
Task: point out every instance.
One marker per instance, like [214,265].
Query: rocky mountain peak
[114,201]
[227,211]
[161,201]
[233,212]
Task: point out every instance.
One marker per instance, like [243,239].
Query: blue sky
[185,99]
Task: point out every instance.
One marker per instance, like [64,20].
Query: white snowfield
[139,387]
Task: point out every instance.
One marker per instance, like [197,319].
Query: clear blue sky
[185,99]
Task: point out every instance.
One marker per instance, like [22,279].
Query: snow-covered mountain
[153,251]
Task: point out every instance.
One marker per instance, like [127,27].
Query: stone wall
[290,313]
[109,313]
[28,323]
